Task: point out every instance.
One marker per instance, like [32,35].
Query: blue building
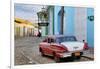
[78,21]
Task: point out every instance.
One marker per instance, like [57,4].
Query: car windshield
[64,39]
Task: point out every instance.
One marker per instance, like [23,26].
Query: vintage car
[62,46]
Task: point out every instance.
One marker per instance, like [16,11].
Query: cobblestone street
[27,52]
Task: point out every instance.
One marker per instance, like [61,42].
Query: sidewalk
[89,53]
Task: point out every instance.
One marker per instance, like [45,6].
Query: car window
[52,40]
[64,39]
[49,40]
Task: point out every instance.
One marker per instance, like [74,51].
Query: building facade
[75,22]
[51,20]
[23,28]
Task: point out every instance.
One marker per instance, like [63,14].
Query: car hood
[73,46]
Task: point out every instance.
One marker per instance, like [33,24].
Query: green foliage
[43,15]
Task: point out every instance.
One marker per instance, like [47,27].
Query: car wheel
[57,59]
[78,57]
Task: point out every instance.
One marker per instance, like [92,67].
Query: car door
[51,48]
[44,45]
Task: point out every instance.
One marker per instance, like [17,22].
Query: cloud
[27,11]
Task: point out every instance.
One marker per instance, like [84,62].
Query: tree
[42,16]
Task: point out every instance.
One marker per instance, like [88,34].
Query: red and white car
[62,46]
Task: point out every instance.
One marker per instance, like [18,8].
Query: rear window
[64,39]
[51,40]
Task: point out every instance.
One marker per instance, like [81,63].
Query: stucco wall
[90,28]
[80,21]
[51,17]
[76,23]
[69,21]
[56,25]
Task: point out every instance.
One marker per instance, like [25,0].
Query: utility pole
[62,20]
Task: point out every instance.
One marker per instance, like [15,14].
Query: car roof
[57,36]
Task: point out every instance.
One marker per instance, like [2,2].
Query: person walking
[39,34]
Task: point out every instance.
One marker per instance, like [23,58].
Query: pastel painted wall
[90,28]
[69,21]
[80,21]
[51,20]
[59,22]
[56,20]
[43,30]
[68,27]
[76,23]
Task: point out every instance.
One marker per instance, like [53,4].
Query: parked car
[62,46]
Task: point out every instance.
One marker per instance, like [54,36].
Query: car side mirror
[83,40]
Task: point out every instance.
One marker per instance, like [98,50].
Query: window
[51,40]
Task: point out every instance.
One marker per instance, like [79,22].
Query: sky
[27,11]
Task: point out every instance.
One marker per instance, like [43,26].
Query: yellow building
[23,28]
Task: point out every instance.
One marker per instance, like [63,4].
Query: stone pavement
[89,53]
[28,47]
[27,52]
